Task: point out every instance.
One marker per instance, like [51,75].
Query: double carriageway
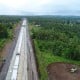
[23,65]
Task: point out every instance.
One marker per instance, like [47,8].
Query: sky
[40,7]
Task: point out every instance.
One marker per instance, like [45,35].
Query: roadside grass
[2,43]
[44,59]
[10,34]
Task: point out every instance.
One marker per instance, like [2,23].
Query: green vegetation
[7,24]
[56,39]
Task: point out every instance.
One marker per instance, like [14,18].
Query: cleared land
[62,71]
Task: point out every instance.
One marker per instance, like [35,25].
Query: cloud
[40,7]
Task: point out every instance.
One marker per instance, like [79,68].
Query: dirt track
[61,71]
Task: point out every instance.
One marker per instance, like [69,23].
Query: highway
[23,65]
[9,53]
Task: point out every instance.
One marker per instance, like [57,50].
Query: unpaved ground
[4,52]
[7,53]
[61,71]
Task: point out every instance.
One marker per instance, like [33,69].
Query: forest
[7,24]
[56,39]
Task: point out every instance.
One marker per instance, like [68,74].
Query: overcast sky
[40,7]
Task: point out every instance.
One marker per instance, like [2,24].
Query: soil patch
[5,52]
[62,71]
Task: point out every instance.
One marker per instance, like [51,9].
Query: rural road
[23,65]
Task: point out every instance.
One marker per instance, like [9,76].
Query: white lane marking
[20,40]
[13,69]
[14,75]
[16,62]
[24,22]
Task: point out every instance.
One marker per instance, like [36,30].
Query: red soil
[61,71]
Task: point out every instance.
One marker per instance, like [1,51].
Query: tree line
[6,24]
[57,35]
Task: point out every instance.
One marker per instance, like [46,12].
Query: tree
[3,31]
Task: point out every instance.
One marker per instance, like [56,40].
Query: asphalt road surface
[23,65]
[4,70]
[32,69]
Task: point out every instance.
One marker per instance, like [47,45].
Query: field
[56,39]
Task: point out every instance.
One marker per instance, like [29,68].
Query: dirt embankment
[62,71]
[5,51]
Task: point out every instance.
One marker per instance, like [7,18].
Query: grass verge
[44,59]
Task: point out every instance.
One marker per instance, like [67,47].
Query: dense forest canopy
[7,24]
[57,35]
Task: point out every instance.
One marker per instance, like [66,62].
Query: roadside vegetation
[56,39]
[7,25]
